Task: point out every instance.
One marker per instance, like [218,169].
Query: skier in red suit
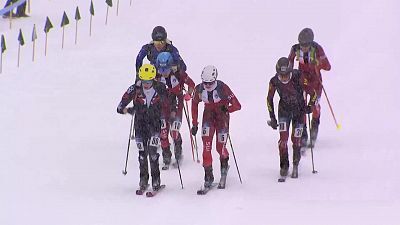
[219,102]
[312,59]
[171,121]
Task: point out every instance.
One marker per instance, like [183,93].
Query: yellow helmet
[147,72]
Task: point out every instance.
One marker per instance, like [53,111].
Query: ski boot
[166,153]
[208,176]
[177,152]
[224,173]
[156,183]
[314,132]
[295,171]
[284,171]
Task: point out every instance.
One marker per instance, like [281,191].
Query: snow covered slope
[63,145]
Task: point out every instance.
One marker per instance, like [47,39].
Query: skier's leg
[316,114]
[143,162]
[208,130]
[176,136]
[154,144]
[297,129]
[165,146]
[222,127]
[284,123]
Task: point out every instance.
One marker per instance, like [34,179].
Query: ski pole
[129,144]
[234,157]
[193,141]
[179,170]
[311,144]
[338,126]
[191,138]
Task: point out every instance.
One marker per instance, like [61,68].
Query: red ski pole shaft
[191,138]
[338,126]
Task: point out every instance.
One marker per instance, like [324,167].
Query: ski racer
[291,109]
[148,100]
[172,115]
[219,102]
[312,59]
[159,43]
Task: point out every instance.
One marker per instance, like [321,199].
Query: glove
[130,110]
[194,130]
[224,108]
[187,97]
[309,109]
[273,123]
[172,115]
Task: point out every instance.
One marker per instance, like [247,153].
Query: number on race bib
[154,141]
[298,132]
[282,126]
[205,131]
[163,124]
[140,146]
[222,138]
[176,125]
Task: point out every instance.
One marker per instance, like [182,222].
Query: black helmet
[159,34]
[283,66]
[306,36]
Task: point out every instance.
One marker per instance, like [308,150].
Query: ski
[154,192]
[141,190]
[204,190]
[282,179]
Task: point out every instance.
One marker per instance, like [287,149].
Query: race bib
[176,125]
[140,146]
[282,126]
[205,131]
[298,132]
[155,141]
[222,137]
[163,124]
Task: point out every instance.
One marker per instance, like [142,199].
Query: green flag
[109,2]
[48,25]
[3,44]
[91,8]
[64,20]
[77,14]
[34,34]
[21,38]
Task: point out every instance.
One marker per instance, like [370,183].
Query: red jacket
[310,63]
[214,100]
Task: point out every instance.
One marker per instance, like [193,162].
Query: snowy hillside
[63,145]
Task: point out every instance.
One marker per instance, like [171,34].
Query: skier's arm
[195,105]
[309,90]
[177,58]
[292,56]
[270,100]
[188,81]
[141,55]
[126,99]
[323,62]
[234,102]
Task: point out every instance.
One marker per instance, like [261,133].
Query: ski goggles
[306,45]
[209,83]
[164,70]
[159,42]
[147,82]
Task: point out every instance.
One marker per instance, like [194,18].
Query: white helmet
[209,74]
